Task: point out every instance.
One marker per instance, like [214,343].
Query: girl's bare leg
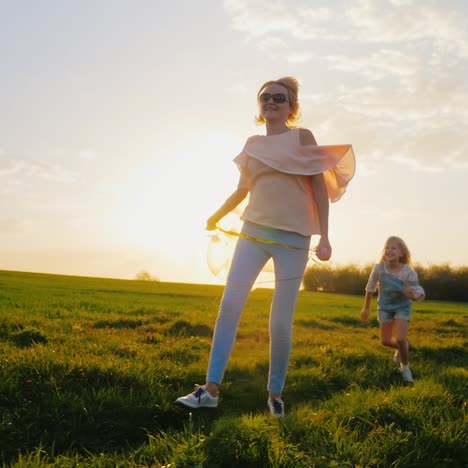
[401,333]
[386,334]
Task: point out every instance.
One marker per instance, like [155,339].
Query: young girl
[398,285]
[290,181]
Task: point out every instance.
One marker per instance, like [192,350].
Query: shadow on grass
[336,373]
[453,355]
[352,322]
[453,324]
[313,324]
[119,324]
[21,336]
[128,323]
[427,312]
[28,337]
[82,409]
[456,382]
[184,328]
[303,361]
[94,410]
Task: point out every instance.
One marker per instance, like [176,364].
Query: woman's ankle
[212,388]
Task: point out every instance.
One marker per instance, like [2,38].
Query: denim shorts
[388,316]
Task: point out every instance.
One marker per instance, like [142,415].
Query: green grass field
[90,368]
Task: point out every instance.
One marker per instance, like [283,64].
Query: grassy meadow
[90,368]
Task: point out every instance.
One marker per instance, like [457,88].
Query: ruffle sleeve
[285,153]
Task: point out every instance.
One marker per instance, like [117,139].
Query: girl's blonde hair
[292,86]
[405,257]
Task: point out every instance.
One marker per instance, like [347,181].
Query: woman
[290,181]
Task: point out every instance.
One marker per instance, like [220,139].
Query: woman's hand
[211,224]
[323,250]
[231,203]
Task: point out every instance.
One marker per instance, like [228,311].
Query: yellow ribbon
[265,241]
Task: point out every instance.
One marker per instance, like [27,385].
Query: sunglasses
[278,98]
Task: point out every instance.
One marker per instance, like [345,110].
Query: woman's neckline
[282,133]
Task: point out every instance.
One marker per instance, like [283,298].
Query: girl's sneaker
[200,398]
[276,407]
[406,374]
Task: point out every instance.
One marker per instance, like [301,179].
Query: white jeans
[249,258]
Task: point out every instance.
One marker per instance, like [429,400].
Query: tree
[143,275]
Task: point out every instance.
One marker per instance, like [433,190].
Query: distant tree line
[441,282]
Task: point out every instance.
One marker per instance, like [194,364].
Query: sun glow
[168,200]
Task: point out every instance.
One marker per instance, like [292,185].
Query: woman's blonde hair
[405,256]
[292,86]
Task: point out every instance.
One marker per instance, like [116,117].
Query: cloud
[396,72]
[38,169]
[300,57]
[378,65]
[369,21]
[11,226]
[262,17]
[9,166]
[391,22]
[87,154]
[395,126]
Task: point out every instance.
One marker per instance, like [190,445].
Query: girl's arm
[374,278]
[231,203]
[412,289]
[365,312]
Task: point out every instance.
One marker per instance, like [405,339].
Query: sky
[119,121]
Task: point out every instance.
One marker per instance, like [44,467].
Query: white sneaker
[406,374]
[276,407]
[200,398]
[396,357]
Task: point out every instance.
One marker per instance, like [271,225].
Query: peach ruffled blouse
[276,170]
